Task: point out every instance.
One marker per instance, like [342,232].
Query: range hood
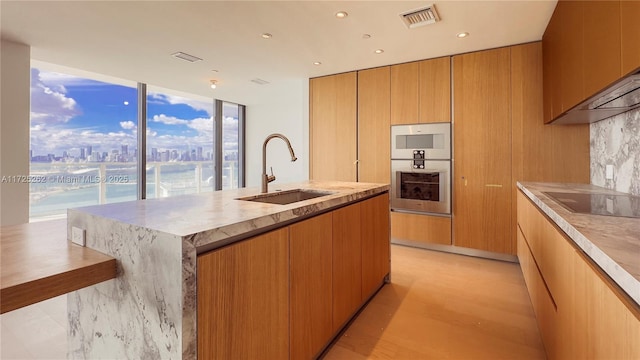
[622,96]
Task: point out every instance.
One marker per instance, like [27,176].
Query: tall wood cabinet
[374,232]
[332,127]
[374,129]
[482,151]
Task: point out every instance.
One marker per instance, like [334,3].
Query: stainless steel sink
[286,197]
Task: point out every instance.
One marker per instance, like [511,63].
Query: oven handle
[420,182]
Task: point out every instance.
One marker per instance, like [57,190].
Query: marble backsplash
[616,141]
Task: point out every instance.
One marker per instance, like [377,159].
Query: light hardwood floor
[444,306]
[438,306]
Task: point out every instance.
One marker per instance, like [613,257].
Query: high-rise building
[89,150]
[82,153]
[199,157]
[154,154]
[125,150]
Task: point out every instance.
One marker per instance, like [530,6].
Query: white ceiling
[133,40]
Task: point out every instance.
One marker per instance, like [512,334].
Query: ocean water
[62,186]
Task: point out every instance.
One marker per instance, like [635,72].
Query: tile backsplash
[616,142]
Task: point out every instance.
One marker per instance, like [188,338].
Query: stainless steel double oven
[421,168]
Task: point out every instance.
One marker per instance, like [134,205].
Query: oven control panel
[418,159]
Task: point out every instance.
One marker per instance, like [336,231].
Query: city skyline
[69,114]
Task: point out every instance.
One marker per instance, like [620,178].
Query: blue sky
[69,112]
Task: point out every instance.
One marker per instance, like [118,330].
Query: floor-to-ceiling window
[84,143]
[180,149]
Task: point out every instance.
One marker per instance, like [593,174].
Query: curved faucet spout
[266,179]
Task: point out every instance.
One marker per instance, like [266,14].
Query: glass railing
[54,187]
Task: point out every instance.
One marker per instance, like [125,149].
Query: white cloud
[169,120]
[127,125]
[50,105]
[196,104]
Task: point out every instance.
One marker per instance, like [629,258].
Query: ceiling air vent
[186,57]
[419,17]
[259,81]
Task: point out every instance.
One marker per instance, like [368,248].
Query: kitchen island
[151,310]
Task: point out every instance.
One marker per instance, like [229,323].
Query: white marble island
[149,310]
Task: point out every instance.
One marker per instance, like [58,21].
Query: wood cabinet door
[332,129]
[549,79]
[374,138]
[630,35]
[482,151]
[405,93]
[347,264]
[421,229]
[435,90]
[310,243]
[601,41]
[572,51]
[243,294]
[374,231]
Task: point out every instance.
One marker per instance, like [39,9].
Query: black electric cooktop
[598,204]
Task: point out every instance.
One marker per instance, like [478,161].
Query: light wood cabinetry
[310,243]
[405,90]
[374,125]
[601,41]
[585,50]
[347,264]
[630,35]
[421,229]
[421,91]
[435,90]
[482,151]
[243,294]
[332,127]
[374,232]
[580,312]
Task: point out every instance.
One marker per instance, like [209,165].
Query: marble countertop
[613,243]
[211,217]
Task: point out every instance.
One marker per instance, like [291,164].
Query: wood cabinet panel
[310,243]
[435,90]
[630,35]
[374,231]
[332,132]
[571,57]
[347,264]
[405,93]
[374,112]
[554,30]
[422,229]
[601,41]
[482,151]
[243,294]
[549,39]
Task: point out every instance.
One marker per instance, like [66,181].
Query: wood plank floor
[444,306]
[438,306]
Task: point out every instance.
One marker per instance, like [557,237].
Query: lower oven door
[421,190]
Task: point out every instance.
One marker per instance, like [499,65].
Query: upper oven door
[433,139]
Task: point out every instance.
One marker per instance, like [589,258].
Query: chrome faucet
[266,179]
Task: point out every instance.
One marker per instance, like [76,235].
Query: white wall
[14,131]
[281,107]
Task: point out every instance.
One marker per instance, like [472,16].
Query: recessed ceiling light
[317,63]
[266,36]
[379,51]
[214,70]
[214,84]
[341,14]
[366,36]
[462,34]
